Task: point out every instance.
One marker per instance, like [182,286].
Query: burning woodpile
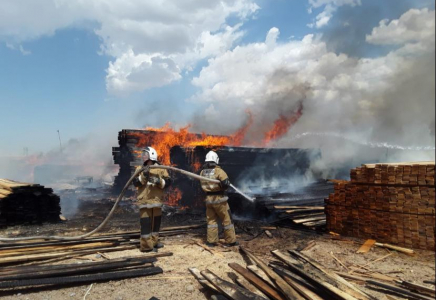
[393,203]
[244,165]
[25,203]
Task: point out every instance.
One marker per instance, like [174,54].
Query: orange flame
[282,125]
[173,196]
[163,139]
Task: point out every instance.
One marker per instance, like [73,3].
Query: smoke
[357,107]
[58,168]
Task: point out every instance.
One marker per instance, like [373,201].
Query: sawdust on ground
[177,283]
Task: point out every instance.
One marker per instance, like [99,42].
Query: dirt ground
[177,283]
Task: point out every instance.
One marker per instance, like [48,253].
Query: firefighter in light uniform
[150,185]
[217,208]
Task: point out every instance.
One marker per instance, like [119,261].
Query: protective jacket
[215,192]
[150,188]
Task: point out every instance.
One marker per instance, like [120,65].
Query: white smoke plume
[355,109]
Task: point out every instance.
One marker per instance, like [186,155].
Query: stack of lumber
[54,263]
[392,203]
[307,216]
[303,208]
[25,203]
[297,276]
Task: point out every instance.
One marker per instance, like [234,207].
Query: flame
[163,139]
[173,196]
[239,136]
[282,125]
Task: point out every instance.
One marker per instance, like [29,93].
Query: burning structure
[258,170]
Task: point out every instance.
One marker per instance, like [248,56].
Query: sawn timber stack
[392,203]
[26,203]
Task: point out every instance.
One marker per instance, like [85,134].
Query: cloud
[330,7]
[370,101]
[152,43]
[19,48]
[415,26]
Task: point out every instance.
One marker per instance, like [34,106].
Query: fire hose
[120,196]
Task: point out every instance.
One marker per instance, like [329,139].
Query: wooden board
[366,246]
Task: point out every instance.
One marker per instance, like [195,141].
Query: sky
[92,68]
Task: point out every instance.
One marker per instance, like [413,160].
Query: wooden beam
[196,273]
[263,286]
[405,293]
[366,246]
[229,289]
[287,290]
[348,287]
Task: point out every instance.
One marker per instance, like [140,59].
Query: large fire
[164,138]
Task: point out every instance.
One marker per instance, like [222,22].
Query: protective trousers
[150,219]
[214,213]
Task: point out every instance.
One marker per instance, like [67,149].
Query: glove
[154,180]
[145,172]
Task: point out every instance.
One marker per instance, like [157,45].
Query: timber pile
[25,203]
[307,216]
[28,264]
[304,208]
[392,203]
[297,276]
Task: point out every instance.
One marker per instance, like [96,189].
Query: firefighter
[217,208]
[150,185]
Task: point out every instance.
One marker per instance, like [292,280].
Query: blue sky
[61,82]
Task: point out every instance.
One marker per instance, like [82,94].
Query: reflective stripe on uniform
[224,199]
[212,226]
[154,205]
[228,226]
[155,233]
[145,236]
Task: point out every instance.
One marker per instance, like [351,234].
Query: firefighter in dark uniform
[150,185]
[217,208]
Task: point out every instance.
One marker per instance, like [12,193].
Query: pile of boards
[308,216]
[302,208]
[392,203]
[26,203]
[297,276]
[81,261]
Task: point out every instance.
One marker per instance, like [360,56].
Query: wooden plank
[300,221]
[261,274]
[286,258]
[396,248]
[348,287]
[242,282]
[416,287]
[328,290]
[287,290]
[405,293]
[196,273]
[366,246]
[229,289]
[315,223]
[263,286]
[287,207]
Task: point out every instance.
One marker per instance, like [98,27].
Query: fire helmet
[211,156]
[149,154]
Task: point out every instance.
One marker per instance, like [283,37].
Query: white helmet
[149,154]
[211,156]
